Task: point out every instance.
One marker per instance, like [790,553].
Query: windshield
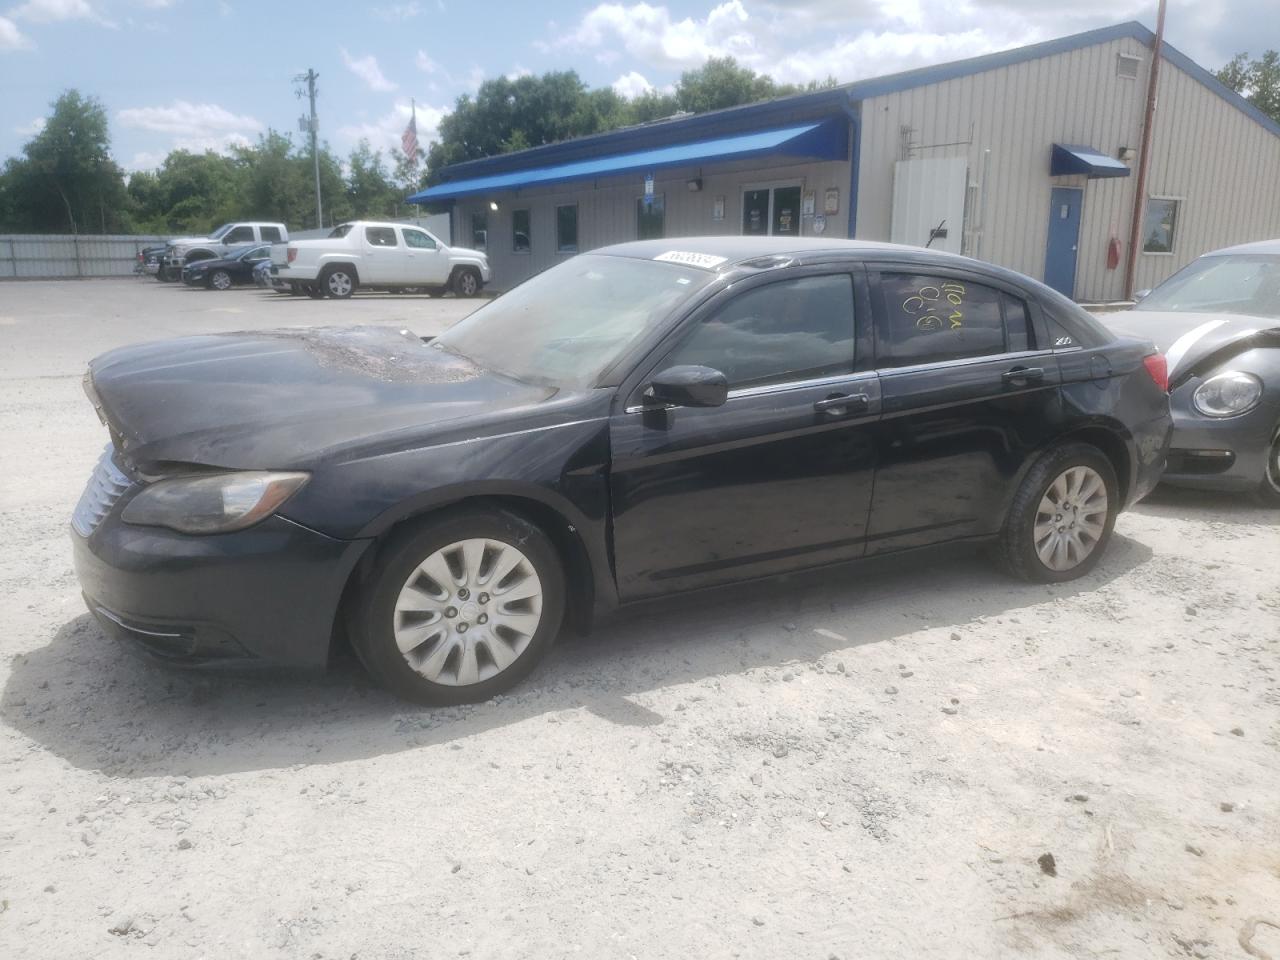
[252,253]
[1239,283]
[220,231]
[567,325]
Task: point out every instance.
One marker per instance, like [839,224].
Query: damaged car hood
[1188,340]
[276,399]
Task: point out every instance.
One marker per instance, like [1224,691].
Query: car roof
[1258,246]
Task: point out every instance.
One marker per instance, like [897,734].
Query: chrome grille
[103,490]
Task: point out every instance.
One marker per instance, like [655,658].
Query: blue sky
[203,74]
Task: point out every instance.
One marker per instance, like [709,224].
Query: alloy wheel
[1273,463]
[468,611]
[1071,518]
[222,280]
[467,284]
[339,283]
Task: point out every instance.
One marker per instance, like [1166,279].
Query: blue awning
[827,140]
[1069,159]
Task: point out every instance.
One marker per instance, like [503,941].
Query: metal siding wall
[35,256]
[607,213]
[1017,112]
[1224,165]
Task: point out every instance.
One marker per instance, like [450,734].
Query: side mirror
[689,385]
[1141,294]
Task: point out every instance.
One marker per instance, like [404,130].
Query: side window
[258,253]
[271,235]
[380,236]
[418,240]
[931,319]
[479,231]
[240,234]
[520,242]
[790,330]
[1017,324]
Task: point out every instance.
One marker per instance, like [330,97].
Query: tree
[369,190]
[1258,81]
[721,83]
[66,179]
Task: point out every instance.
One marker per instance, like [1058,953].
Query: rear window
[271,234]
[380,236]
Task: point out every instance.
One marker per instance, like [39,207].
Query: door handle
[1021,375]
[839,404]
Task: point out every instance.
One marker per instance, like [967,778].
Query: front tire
[220,280]
[339,282]
[466,282]
[1062,516]
[459,608]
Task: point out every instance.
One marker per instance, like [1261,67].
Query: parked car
[366,253]
[697,412]
[1218,321]
[222,273]
[262,274]
[186,250]
[149,259]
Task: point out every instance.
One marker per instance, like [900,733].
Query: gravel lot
[873,762]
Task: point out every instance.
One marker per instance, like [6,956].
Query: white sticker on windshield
[707,261]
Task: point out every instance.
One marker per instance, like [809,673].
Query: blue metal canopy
[827,140]
[1069,159]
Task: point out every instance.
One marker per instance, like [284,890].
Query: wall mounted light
[694,185]
[493,205]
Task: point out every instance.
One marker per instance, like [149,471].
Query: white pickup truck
[186,250]
[367,253]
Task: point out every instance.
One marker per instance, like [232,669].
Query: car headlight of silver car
[213,503]
[1228,394]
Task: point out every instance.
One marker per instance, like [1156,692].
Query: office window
[1160,225]
[380,236]
[787,331]
[933,319]
[651,217]
[520,242]
[479,231]
[567,228]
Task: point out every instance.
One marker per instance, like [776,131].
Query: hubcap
[221,281]
[339,284]
[1071,518]
[468,612]
[468,283]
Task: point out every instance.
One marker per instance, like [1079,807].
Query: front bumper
[270,592]
[1228,453]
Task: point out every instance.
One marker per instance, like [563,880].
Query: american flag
[409,139]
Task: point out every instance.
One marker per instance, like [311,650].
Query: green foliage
[1257,80]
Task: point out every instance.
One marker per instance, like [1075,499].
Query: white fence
[35,255]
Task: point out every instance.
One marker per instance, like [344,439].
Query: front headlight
[1228,394]
[217,503]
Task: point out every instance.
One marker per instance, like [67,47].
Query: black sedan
[647,419]
[1218,319]
[225,272]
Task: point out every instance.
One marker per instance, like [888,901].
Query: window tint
[271,234]
[567,228]
[241,234]
[418,240]
[380,236]
[930,319]
[520,242]
[1018,325]
[479,231]
[790,330]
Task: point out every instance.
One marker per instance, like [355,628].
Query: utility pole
[312,126]
[1144,157]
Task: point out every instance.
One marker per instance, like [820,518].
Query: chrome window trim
[963,362]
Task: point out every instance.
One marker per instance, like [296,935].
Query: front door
[755,213]
[777,478]
[426,260]
[1064,239]
[969,390]
[771,211]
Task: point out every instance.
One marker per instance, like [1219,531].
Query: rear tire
[431,623]
[1062,517]
[1268,492]
[338,282]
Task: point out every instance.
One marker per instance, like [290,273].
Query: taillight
[1158,367]
[293,254]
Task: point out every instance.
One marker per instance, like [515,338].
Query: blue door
[1064,238]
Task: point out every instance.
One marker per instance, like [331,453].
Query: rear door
[969,389]
[381,256]
[427,261]
[777,478]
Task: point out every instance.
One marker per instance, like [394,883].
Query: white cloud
[190,126]
[367,69]
[631,85]
[426,64]
[519,71]
[384,132]
[30,129]
[398,12]
[56,11]
[11,38]
[650,34]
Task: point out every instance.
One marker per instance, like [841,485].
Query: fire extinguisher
[1113,254]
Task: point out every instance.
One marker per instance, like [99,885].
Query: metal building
[1021,157]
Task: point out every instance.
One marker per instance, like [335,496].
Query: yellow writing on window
[937,307]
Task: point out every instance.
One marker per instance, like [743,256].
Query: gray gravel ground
[872,762]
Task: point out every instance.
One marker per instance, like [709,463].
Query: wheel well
[579,586]
[463,268]
[1112,447]
[350,266]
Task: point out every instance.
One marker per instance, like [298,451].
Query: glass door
[786,212]
[771,211]
[755,213]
